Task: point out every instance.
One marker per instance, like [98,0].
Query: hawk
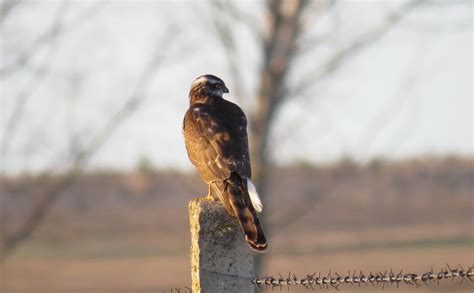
[215,134]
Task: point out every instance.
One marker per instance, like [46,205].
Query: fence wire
[335,280]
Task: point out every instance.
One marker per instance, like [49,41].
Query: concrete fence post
[221,261]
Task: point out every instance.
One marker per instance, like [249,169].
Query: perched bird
[215,134]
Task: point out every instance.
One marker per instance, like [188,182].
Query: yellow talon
[208,196]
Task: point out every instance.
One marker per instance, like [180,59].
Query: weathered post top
[221,261]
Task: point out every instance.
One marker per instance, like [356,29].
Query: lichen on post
[221,261]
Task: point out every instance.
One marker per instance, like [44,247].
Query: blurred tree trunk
[278,50]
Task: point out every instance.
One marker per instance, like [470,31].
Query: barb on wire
[335,280]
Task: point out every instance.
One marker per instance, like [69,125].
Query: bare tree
[79,156]
[282,45]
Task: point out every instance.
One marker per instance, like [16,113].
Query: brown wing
[217,144]
[216,141]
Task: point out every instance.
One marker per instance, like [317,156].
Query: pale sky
[409,94]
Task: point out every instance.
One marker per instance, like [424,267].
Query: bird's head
[205,88]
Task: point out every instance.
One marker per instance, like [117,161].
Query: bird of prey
[215,134]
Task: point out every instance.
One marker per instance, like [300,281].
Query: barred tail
[241,204]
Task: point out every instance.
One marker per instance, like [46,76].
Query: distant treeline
[304,200]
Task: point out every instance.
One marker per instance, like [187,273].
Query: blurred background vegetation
[360,122]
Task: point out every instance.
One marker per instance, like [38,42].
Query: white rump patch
[256,202]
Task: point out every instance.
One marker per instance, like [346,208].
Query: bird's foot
[207,197]
[210,197]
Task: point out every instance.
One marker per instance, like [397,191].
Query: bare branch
[293,128]
[6,8]
[226,36]
[79,159]
[58,28]
[460,25]
[393,108]
[239,16]
[38,75]
[307,44]
[343,54]
[135,99]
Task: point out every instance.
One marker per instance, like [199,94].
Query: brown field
[161,272]
[129,233]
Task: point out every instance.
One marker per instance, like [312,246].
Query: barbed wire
[335,280]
